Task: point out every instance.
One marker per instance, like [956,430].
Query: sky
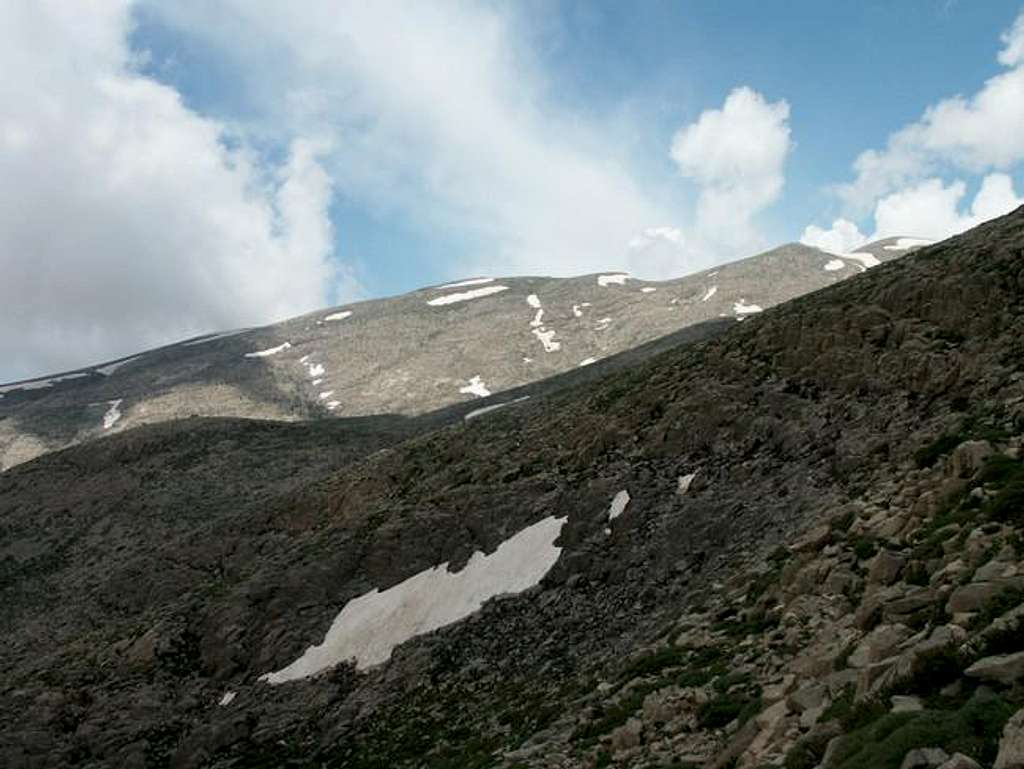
[169,169]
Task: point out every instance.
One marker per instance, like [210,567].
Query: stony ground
[819,563]
[405,355]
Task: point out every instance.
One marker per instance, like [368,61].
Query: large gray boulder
[1011,746]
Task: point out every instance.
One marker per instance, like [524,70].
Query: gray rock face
[1006,669]
[1011,746]
[405,355]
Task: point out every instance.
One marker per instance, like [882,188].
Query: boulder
[960,761]
[1002,668]
[968,458]
[885,568]
[813,540]
[1011,746]
[925,758]
[880,643]
[972,597]
[905,704]
[628,735]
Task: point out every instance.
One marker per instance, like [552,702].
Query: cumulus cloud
[126,219]
[978,133]
[932,209]
[841,238]
[736,155]
[441,115]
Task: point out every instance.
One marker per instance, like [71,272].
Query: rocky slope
[406,355]
[795,544]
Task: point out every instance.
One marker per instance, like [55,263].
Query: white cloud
[976,134]
[932,209]
[439,114]
[125,219]
[737,157]
[841,238]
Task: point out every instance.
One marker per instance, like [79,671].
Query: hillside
[795,543]
[406,355]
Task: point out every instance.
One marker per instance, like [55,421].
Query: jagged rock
[974,596]
[1001,668]
[776,691]
[885,568]
[813,541]
[914,601]
[905,704]
[960,761]
[879,644]
[841,581]
[771,724]
[628,735]
[1011,746]
[969,457]
[924,758]
[808,697]
[995,570]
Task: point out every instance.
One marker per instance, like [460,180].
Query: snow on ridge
[618,278]
[547,338]
[866,260]
[487,409]
[476,387]
[113,414]
[110,368]
[902,244]
[369,627]
[269,351]
[338,315]
[709,293]
[534,301]
[587,361]
[464,296]
[742,308]
[461,283]
[835,264]
[39,384]
[213,337]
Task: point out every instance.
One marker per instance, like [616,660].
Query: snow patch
[332,405]
[834,264]
[547,338]
[865,259]
[110,368]
[325,395]
[618,506]
[684,483]
[603,324]
[476,387]
[315,369]
[709,293]
[227,699]
[902,244]
[487,409]
[538,321]
[587,361]
[742,308]
[648,290]
[465,296]
[470,282]
[534,301]
[369,627]
[269,351]
[113,414]
[338,315]
[618,278]
[577,309]
[39,384]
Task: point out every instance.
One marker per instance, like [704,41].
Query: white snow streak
[476,387]
[113,414]
[902,244]
[865,259]
[547,338]
[618,505]
[834,264]
[534,301]
[369,627]
[470,282]
[587,361]
[270,351]
[325,395]
[742,308]
[464,296]
[709,293]
[227,699]
[603,324]
[338,315]
[606,280]
[648,290]
[684,483]
[110,368]
[487,409]
[332,405]
[538,321]
[213,337]
[39,384]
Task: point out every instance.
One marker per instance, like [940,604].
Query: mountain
[794,542]
[407,355]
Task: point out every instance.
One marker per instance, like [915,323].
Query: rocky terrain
[406,355]
[793,542]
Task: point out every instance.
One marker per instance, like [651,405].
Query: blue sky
[852,74]
[230,163]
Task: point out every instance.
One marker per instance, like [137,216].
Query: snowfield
[465,296]
[269,351]
[369,627]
